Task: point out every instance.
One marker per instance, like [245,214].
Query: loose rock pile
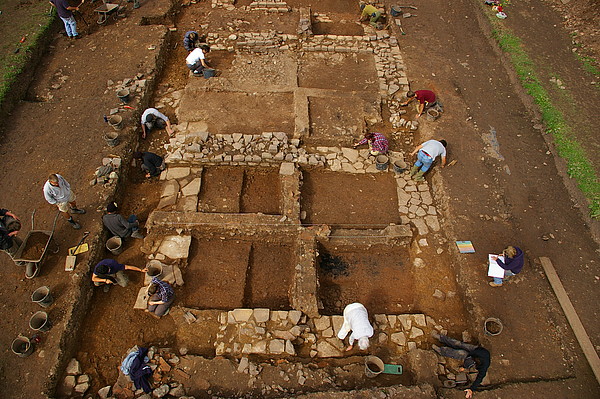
[75,383]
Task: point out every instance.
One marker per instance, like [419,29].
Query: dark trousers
[161,309]
[197,68]
[455,348]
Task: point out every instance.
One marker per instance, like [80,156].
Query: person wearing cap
[371,13]
[196,60]
[57,191]
[152,164]
[153,118]
[426,100]
[472,356]
[356,319]
[162,296]
[109,271]
[118,225]
[192,39]
[426,154]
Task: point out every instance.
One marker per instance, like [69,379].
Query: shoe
[414,170]
[137,234]
[77,211]
[74,224]
[436,349]
[435,335]
[419,176]
[494,284]
[106,288]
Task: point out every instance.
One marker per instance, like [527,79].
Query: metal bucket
[115,245]
[112,139]
[22,346]
[399,166]
[123,95]
[432,114]
[209,73]
[155,269]
[381,162]
[40,321]
[492,326]
[116,121]
[373,366]
[42,297]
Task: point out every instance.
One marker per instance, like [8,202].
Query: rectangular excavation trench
[360,201]
[231,189]
[227,274]
[378,276]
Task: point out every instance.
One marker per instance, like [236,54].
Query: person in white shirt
[153,118]
[196,60]
[356,319]
[426,154]
[57,191]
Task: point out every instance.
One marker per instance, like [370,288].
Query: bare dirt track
[505,189]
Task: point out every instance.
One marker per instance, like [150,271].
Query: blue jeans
[423,160]
[507,273]
[70,26]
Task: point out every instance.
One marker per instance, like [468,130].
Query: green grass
[33,27]
[579,166]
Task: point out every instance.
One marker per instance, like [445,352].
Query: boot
[414,170]
[74,224]
[76,210]
[419,176]
[137,234]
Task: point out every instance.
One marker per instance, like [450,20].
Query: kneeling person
[196,60]
[109,271]
[118,225]
[153,118]
[162,296]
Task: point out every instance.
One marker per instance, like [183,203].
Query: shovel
[72,257]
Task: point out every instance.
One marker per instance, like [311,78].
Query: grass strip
[579,166]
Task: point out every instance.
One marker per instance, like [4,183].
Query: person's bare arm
[169,130]
[443,161]
[97,279]
[416,149]
[407,101]
[421,107]
[143,130]
[128,267]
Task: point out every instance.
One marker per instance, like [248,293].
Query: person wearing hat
[192,39]
[118,225]
[356,319]
[153,118]
[472,356]
[371,13]
[152,164]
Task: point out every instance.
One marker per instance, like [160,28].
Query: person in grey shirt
[57,191]
[153,118]
[118,225]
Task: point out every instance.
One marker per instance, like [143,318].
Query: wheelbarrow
[106,10]
[34,248]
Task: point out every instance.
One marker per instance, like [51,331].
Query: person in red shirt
[426,100]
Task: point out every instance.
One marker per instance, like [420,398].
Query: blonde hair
[510,251]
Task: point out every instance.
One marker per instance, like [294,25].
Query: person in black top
[471,355]
[9,242]
[152,164]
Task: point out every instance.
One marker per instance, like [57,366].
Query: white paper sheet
[494,270]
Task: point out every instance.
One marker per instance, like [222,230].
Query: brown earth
[483,202]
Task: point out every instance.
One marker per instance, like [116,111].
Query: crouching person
[109,271]
[196,60]
[356,319]
[118,225]
[161,297]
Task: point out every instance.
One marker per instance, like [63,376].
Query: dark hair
[205,48]
[102,269]
[444,143]
[410,94]
[369,136]
[150,117]
[362,7]
[111,207]
[53,178]
[152,288]
[194,35]
[137,155]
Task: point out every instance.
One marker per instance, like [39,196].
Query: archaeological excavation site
[266,221]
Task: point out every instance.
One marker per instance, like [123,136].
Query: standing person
[118,225]
[152,164]
[57,191]
[162,296]
[426,154]
[372,14]
[378,144]
[109,271]
[426,100]
[196,60]
[356,319]
[192,39]
[153,118]
[512,264]
[64,12]
[471,355]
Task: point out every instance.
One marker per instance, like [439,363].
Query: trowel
[72,257]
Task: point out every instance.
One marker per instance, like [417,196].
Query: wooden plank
[572,317]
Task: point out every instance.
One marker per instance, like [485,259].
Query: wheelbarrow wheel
[102,18]
[32,269]
[56,247]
